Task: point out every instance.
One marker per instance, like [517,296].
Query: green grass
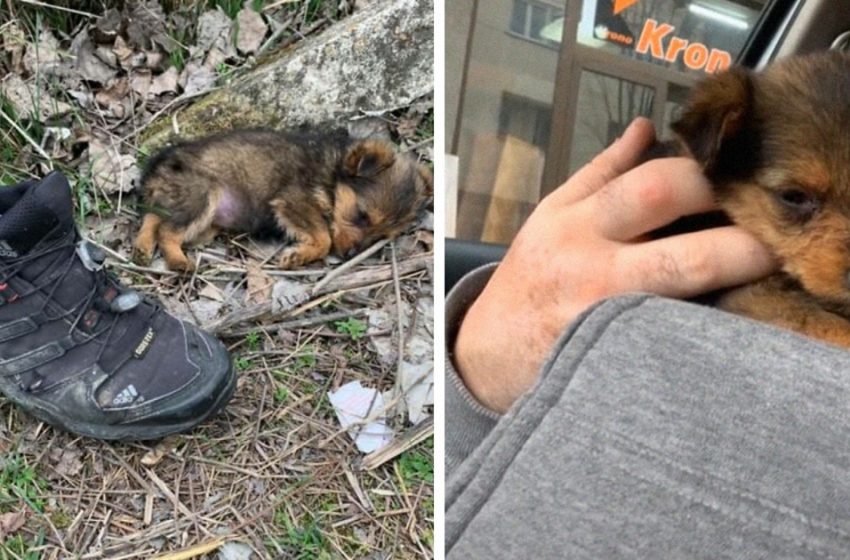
[20,489]
[353,327]
[304,541]
[229,7]
[19,482]
[18,548]
[417,464]
[10,145]
[281,394]
[307,358]
[59,20]
[425,129]
[243,364]
[252,341]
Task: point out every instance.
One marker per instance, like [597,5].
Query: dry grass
[274,472]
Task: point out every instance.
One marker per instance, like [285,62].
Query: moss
[218,111]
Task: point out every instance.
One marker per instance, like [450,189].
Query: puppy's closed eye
[798,204]
[361,219]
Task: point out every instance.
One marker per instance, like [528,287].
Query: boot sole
[131,432]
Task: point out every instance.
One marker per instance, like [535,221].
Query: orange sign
[695,55]
[620,5]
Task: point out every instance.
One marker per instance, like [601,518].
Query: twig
[335,273]
[418,144]
[410,438]
[360,279]
[194,551]
[27,137]
[295,324]
[171,496]
[274,5]
[399,310]
[62,8]
[169,105]
[275,34]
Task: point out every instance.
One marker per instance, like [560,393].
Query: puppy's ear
[715,116]
[367,158]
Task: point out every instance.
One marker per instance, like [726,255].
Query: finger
[688,265]
[648,197]
[618,158]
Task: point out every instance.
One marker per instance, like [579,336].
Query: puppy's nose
[351,252]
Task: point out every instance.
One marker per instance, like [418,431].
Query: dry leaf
[408,124]
[205,311]
[417,385]
[84,98]
[146,26]
[89,66]
[115,97]
[14,43]
[213,30]
[153,457]
[42,55]
[251,31]
[197,79]
[11,523]
[111,172]
[154,60]
[165,82]
[69,462]
[30,100]
[259,284]
[210,291]
[123,53]
[110,231]
[105,54]
[108,26]
[214,45]
[141,83]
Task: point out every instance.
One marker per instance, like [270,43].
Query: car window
[536,88]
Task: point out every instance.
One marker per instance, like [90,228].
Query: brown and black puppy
[776,147]
[324,191]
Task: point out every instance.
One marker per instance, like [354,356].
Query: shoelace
[103,280]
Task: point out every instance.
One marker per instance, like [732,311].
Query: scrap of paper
[353,404]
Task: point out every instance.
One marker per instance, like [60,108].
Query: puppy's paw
[180,264]
[292,258]
[143,248]
[142,255]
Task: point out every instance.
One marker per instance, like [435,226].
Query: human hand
[586,241]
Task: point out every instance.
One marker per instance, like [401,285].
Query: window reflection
[618,59]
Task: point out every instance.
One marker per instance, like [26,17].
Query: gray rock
[377,60]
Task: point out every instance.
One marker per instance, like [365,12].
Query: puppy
[323,190]
[776,147]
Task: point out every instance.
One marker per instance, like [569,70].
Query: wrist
[473,363]
[495,358]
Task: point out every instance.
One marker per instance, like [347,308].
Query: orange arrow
[620,5]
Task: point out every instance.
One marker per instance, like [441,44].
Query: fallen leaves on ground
[11,522]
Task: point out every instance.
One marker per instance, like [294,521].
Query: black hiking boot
[83,353]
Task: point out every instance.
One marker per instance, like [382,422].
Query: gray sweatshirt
[657,429]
